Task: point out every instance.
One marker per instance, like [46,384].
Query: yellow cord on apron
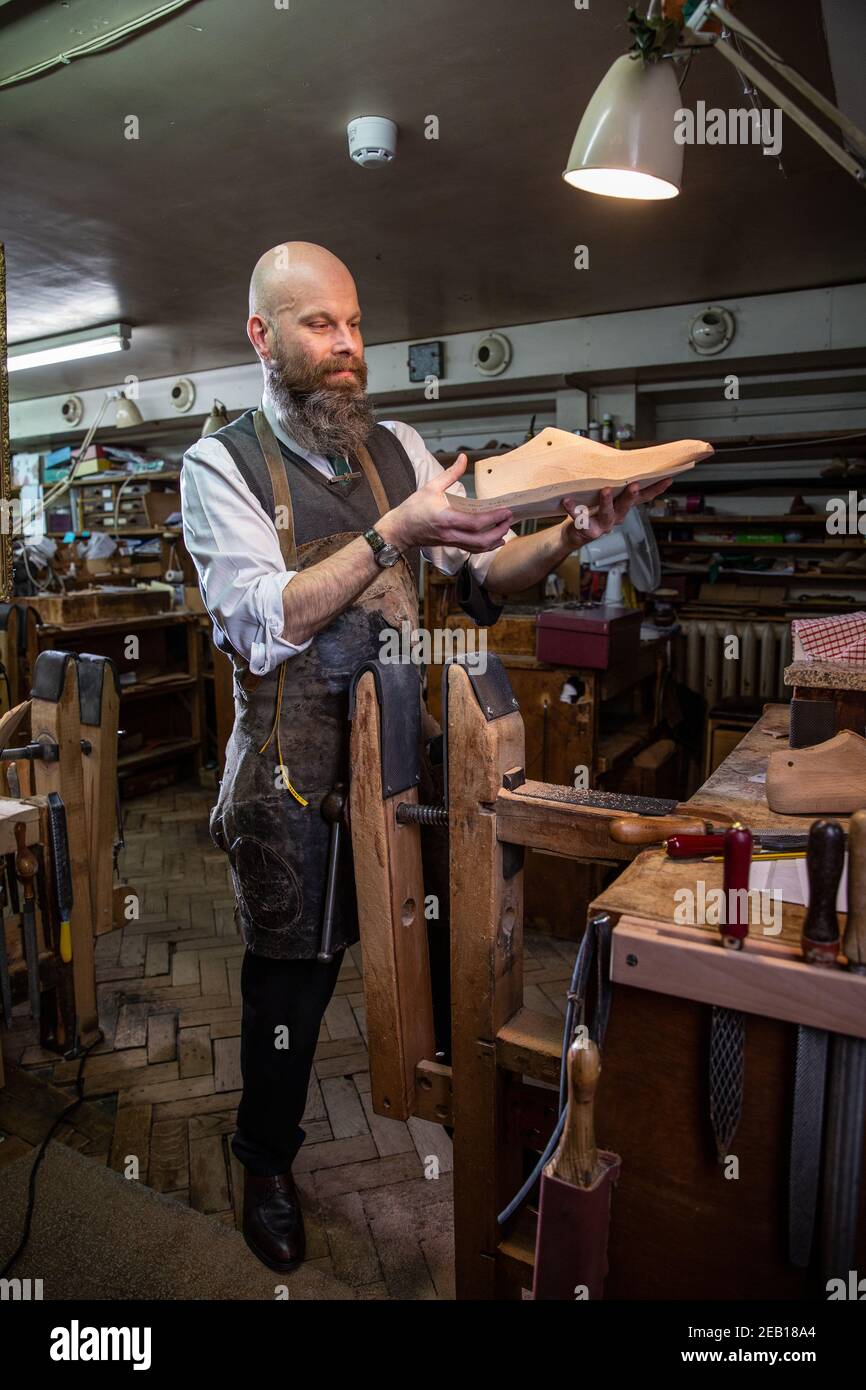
[276,729]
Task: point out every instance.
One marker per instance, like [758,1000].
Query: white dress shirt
[236,550]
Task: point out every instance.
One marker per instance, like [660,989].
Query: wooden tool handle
[854,943]
[651,830]
[735,880]
[26,865]
[825,856]
[576,1156]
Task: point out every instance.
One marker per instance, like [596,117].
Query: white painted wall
[781,325]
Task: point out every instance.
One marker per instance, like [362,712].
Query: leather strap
[283,498]
[280,487]
[380,496]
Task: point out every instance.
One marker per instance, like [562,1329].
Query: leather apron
[297,718]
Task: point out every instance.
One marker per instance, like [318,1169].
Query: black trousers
[283,1003]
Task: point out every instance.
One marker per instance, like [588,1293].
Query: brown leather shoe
[273,1221]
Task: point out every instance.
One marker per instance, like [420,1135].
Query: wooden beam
[486,978]
[100,799]
[768,978]
[530,1044]
[527,817]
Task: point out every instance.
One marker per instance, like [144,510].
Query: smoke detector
[491,354]
[372,140]
[182,394]
[712,330]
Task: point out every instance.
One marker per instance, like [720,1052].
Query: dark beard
[322,418]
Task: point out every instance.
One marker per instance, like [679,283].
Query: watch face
[387,556]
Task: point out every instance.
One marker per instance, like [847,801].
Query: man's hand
[610,513]
[425,518]
[528,559]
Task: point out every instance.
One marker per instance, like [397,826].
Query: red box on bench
[593,637]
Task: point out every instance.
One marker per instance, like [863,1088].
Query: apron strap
[283,498]
[280,488]
[380,496]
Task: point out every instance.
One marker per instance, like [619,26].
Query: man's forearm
[527,559]
[314,597]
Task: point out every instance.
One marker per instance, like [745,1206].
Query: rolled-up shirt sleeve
[236,552]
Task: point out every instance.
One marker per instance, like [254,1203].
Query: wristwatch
[386,555]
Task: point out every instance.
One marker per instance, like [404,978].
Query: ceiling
[242,111]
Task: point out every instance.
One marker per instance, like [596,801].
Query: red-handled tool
[738,860]
[688,846]
[694,846]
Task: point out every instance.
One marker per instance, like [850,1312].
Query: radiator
[757,672]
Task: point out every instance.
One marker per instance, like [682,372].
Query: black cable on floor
[31,1187]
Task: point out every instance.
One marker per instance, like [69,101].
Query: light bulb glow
[621,183]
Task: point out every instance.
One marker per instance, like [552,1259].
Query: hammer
[333,809]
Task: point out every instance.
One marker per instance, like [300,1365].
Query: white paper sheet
[790,878]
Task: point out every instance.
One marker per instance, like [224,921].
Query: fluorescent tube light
[69,347]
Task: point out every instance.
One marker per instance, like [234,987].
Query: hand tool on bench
[846,1107]
[728,1028]
[26,868]
[576,1187]
[757,858]
[689,846]
[820,942]
[333,809]
[640,830]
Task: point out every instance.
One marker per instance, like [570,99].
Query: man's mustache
[358,367]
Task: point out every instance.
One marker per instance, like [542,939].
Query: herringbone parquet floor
[163,1087]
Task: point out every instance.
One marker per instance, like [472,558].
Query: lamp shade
[216,420]
[128,414]
[624,146]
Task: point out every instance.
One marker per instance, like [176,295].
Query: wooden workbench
[646,888]
[680,1229]
[683,1226]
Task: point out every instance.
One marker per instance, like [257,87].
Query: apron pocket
[267,888]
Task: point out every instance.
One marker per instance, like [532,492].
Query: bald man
[306,521]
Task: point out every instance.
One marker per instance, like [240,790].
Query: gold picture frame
[5,450]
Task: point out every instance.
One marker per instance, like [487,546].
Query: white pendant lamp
[127,413]
[217,419]
[624,146]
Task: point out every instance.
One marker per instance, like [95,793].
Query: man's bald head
[305,325]
[294,271]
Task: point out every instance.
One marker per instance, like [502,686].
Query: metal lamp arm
[852,133]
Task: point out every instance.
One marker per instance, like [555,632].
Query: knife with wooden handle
[646,830]
[846,1106]
[575,1159]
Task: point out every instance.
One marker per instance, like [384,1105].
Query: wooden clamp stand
[390,889]
[491,813]
[73,712]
